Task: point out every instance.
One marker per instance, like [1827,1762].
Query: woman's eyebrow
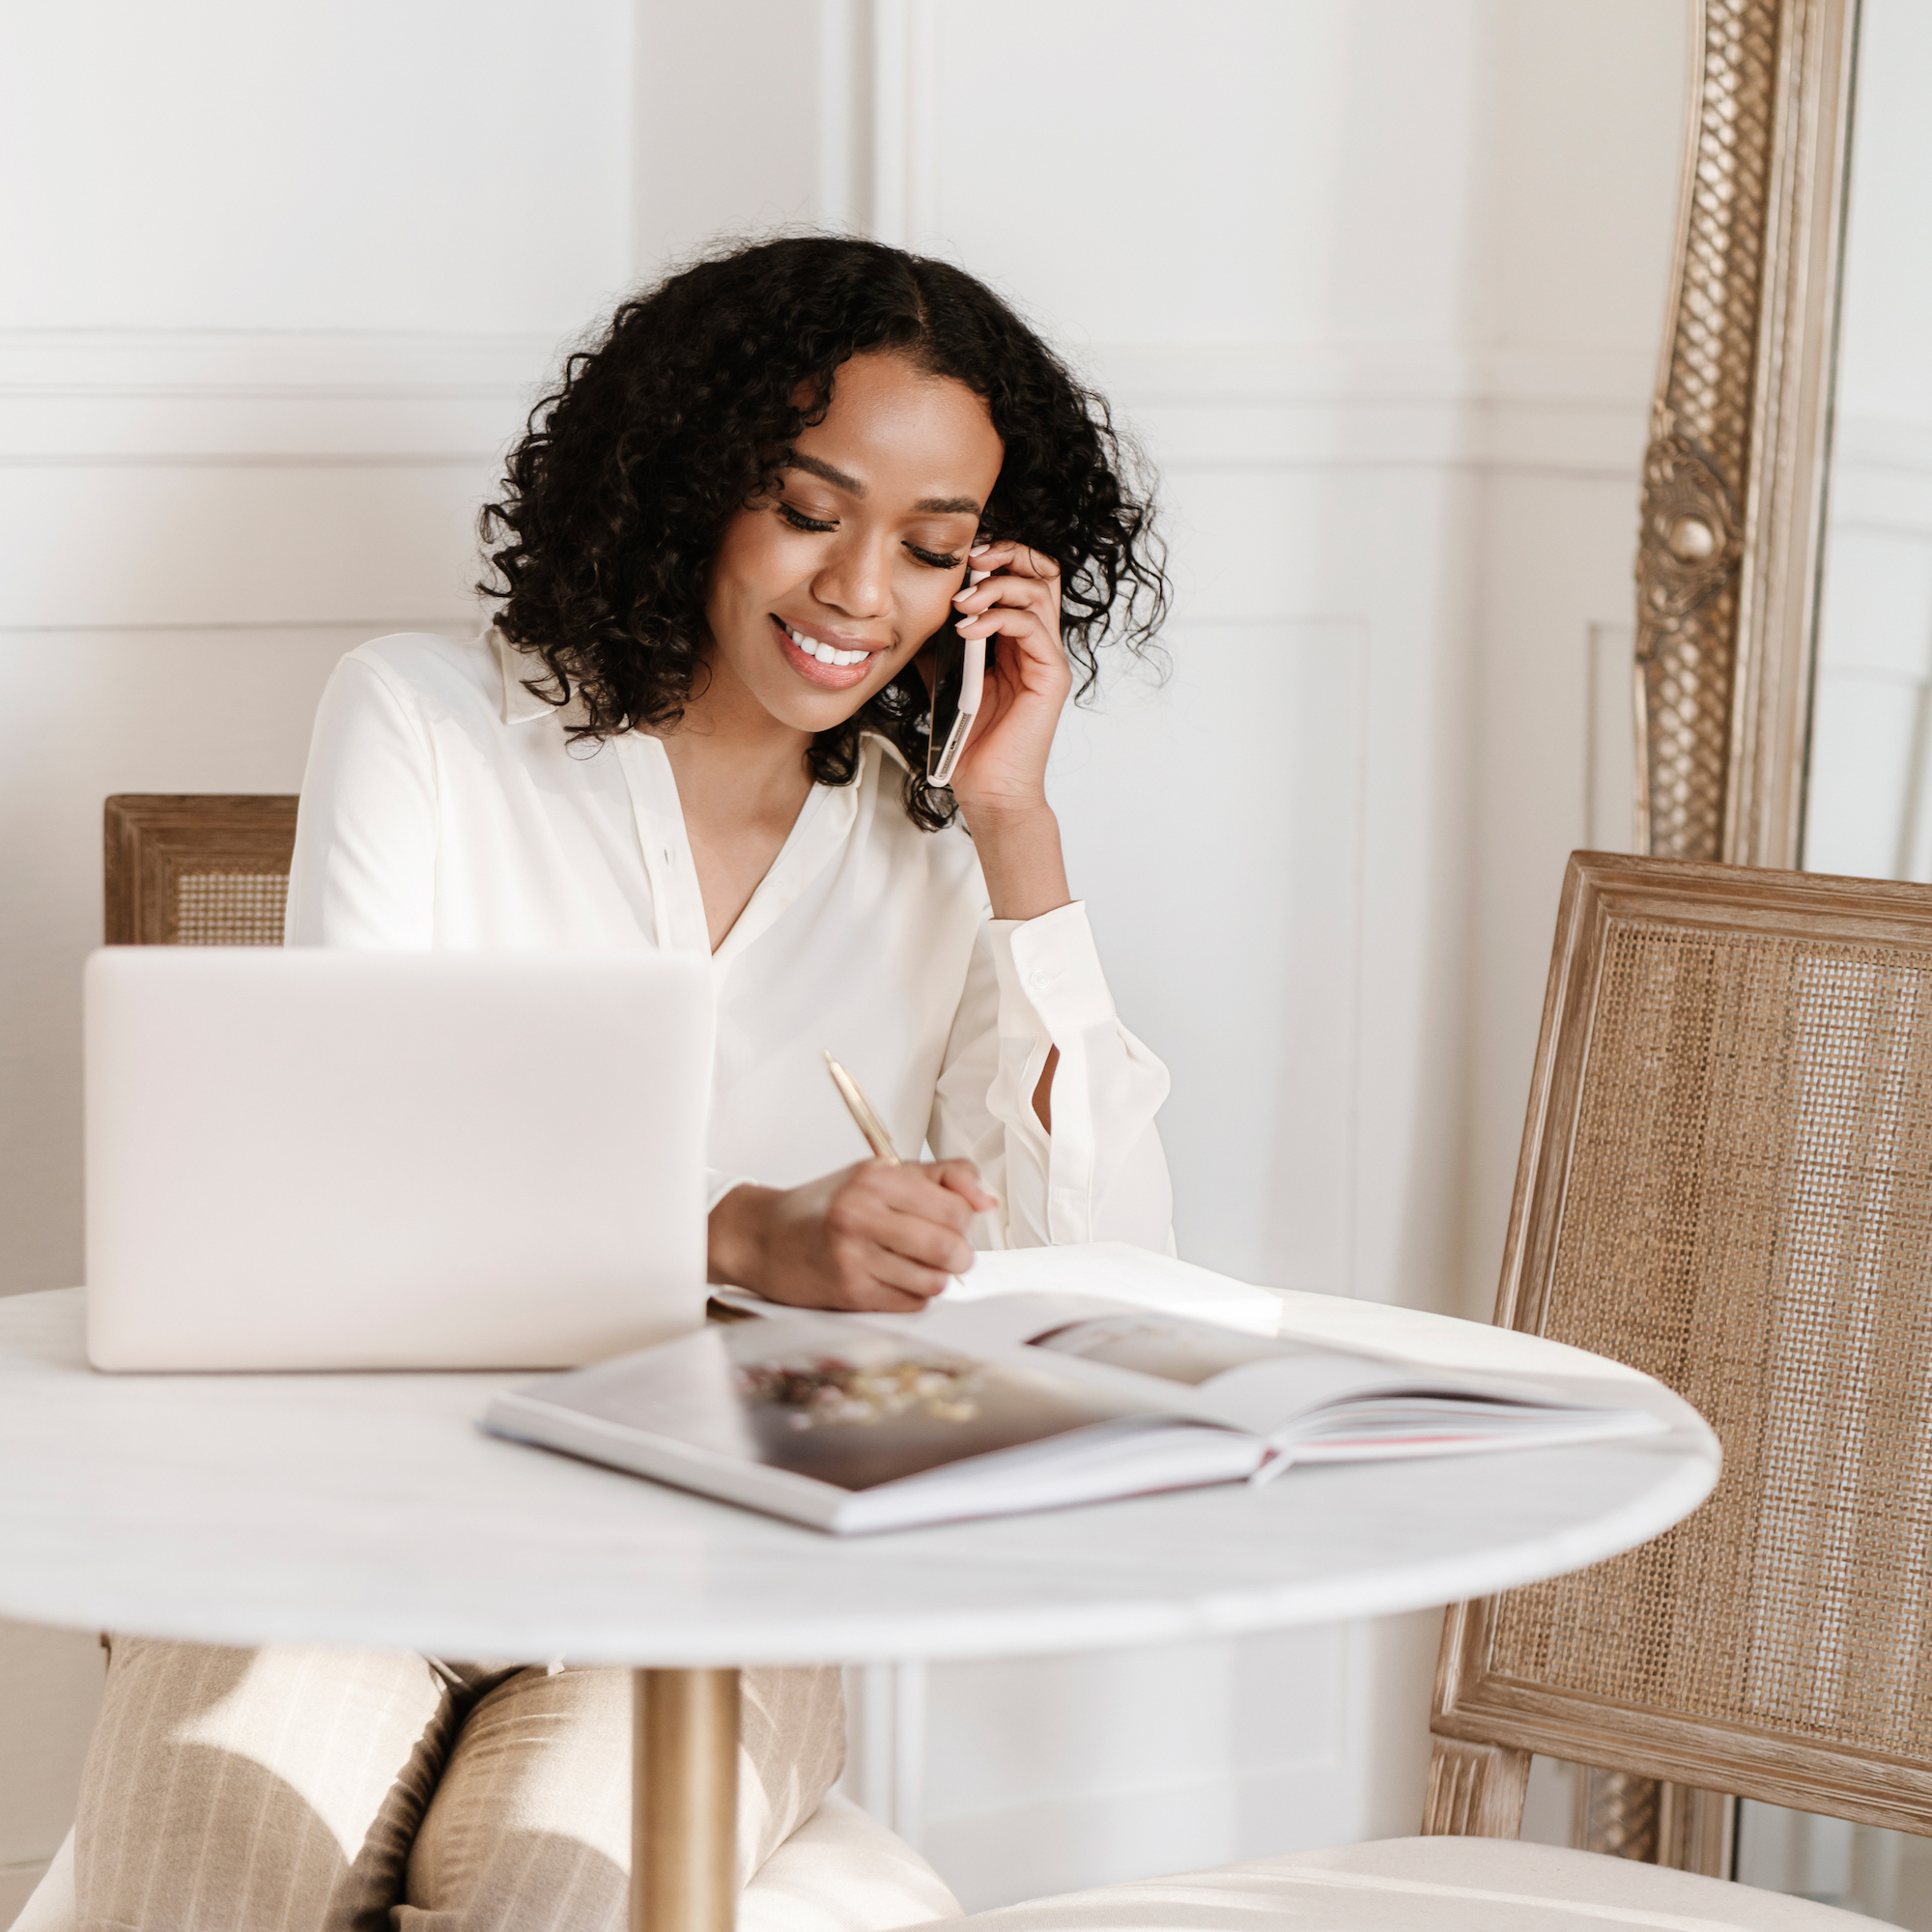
[796,459]
[931,506]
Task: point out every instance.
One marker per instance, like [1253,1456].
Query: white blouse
[443,806]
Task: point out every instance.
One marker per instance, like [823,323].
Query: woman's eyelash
[799,521]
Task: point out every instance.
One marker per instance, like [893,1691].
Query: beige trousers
[308,1790]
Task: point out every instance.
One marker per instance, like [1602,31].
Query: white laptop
[318,1160]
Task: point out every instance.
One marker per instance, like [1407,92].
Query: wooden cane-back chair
[1727,1181]
[207,870]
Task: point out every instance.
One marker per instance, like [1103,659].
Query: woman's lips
[826,677]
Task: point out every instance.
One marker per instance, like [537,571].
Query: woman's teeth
[824,653]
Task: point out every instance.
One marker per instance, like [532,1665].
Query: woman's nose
[856,579]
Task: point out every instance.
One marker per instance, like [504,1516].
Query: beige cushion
[1423,1885]
[843,1871]
[840,1871]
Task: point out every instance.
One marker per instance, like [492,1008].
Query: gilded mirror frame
[1732,506]
[1730,536]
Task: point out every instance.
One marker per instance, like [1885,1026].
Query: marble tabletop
[367,1510]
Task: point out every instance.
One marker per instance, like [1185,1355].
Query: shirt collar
[886,745]
[521,704]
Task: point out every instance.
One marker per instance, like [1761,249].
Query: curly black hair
[618,494]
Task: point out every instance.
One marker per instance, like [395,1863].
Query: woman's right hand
[873,1237]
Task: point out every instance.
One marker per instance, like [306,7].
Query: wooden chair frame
[150,839]
[1485,1725]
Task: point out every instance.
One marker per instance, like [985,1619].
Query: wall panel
[316,164]
[1132,183]
[1556,722]
[258,544]
[1062,1773]
[1243,958]
[1868,798]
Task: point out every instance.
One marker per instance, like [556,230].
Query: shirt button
[1041,979]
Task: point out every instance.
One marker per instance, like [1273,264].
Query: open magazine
[1018,1401]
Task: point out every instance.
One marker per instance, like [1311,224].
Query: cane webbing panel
[1748,1217]
[230,908]
[183,869]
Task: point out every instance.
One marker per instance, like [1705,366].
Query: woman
[700,722]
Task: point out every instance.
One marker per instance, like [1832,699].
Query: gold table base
[684,1800]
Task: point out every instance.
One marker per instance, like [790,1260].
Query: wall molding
[886,1738]
[1881,481]
[296,459]
[368,626]
[1581,414]
[120,398]
[267,361]
[901,59]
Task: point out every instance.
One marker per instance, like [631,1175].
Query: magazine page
[1196,1368]
[838,1401]
[1327,1404]
[1256,1381]
[857,1409]
[1323,1402]
[1114,1272]
[1107,1274]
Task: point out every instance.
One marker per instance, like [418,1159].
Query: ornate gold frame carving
[1733,488]
[1728,544]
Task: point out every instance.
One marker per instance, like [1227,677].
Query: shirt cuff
[718,1183]
[1049,976]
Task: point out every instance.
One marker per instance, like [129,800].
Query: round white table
[367,1510]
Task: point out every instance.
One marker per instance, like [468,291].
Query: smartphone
[958,681]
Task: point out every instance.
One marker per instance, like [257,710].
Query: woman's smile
[816,658]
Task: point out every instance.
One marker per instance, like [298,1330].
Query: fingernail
[979,550]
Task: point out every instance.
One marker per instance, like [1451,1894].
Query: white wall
[1584,111]
[1868,803]
[1376,280]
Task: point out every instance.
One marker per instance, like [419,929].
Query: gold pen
[861,1110]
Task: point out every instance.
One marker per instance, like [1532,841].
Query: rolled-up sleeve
[1100,1176]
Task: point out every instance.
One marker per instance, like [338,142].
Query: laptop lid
[306,1158]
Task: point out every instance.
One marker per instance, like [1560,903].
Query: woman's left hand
[1001,777]
[1002,773]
